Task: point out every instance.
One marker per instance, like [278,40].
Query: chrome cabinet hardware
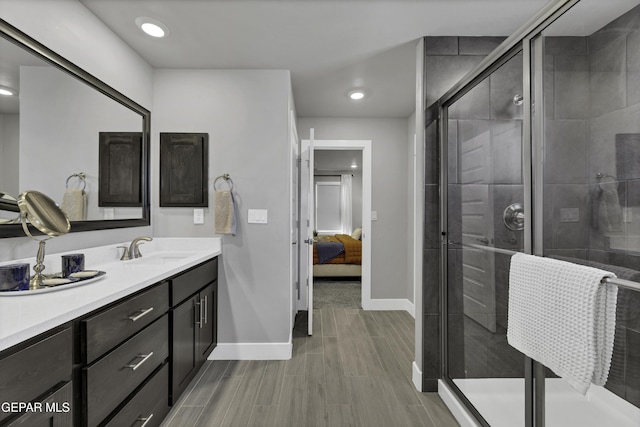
[205,310]
[142,314]
[198,314]
[146,420]
[144,357]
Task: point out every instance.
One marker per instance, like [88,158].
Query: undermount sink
[161,258]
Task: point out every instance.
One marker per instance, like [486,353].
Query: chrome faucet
[134,251]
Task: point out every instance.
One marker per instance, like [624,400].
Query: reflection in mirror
[49,133]
[9,210]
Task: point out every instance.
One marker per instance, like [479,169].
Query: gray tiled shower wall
[592,125]
[592,108]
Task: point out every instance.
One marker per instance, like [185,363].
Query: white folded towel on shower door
[561,315]
[74,203]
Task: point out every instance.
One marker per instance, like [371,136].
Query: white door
[306,228]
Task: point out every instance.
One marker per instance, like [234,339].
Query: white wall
[71,30]
[245,113]
[389,276]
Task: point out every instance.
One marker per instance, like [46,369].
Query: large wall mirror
[50,132]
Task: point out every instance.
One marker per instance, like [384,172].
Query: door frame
[366,147]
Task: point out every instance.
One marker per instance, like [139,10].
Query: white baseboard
[416,377]
[460,413]
[252,351]
[390,304]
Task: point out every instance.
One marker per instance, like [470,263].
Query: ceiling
[329,46]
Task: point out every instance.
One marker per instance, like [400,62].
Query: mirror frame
[22,40]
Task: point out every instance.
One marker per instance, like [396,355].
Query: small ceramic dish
[85,274]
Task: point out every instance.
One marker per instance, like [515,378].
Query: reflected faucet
[134,251]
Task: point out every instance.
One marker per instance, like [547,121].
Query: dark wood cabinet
[208,332]
[184,168]
[34,371]
[54,410]
[194,324]
[123,364]
[149,406]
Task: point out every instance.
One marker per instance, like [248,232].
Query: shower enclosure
[540,153]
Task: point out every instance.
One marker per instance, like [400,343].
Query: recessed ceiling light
[356,94]
[6,91]
[152,27]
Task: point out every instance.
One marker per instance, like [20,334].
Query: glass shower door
[590,194]
[485,178]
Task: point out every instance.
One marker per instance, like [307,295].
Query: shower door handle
[483,240]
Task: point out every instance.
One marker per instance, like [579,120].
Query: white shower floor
[501,403]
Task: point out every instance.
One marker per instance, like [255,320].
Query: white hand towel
[225,211]
[562,316]
[73,204]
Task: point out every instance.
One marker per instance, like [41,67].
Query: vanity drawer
[150,404]
[33,370]
[111,379]
[103,331]
[54,410]
[190,282]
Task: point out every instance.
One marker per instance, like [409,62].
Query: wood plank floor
[355,370]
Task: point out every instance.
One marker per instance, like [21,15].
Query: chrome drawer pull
[137,365]
[143,313]
[146,420]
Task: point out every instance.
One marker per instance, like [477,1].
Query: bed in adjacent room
[339,255]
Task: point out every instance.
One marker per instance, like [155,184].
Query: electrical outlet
[109,213]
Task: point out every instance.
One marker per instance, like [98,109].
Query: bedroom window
[328,207]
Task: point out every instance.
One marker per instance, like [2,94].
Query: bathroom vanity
[117,351]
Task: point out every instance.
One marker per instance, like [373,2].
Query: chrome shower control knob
[513,217]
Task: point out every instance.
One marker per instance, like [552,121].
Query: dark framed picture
[184,169]
[120,165]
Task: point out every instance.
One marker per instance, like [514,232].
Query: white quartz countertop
[27,315]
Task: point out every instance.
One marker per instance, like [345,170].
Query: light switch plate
[374,215]
[198,216]
[257,216]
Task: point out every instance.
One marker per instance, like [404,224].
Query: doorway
[308,214]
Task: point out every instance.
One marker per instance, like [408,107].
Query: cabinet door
[54,411]
[209,329]
[185,336]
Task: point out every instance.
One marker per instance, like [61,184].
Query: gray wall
[55,24]
[9,140]
[245,114]
[388,137]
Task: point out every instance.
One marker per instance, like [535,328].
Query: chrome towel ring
[82,179]
[226,178]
